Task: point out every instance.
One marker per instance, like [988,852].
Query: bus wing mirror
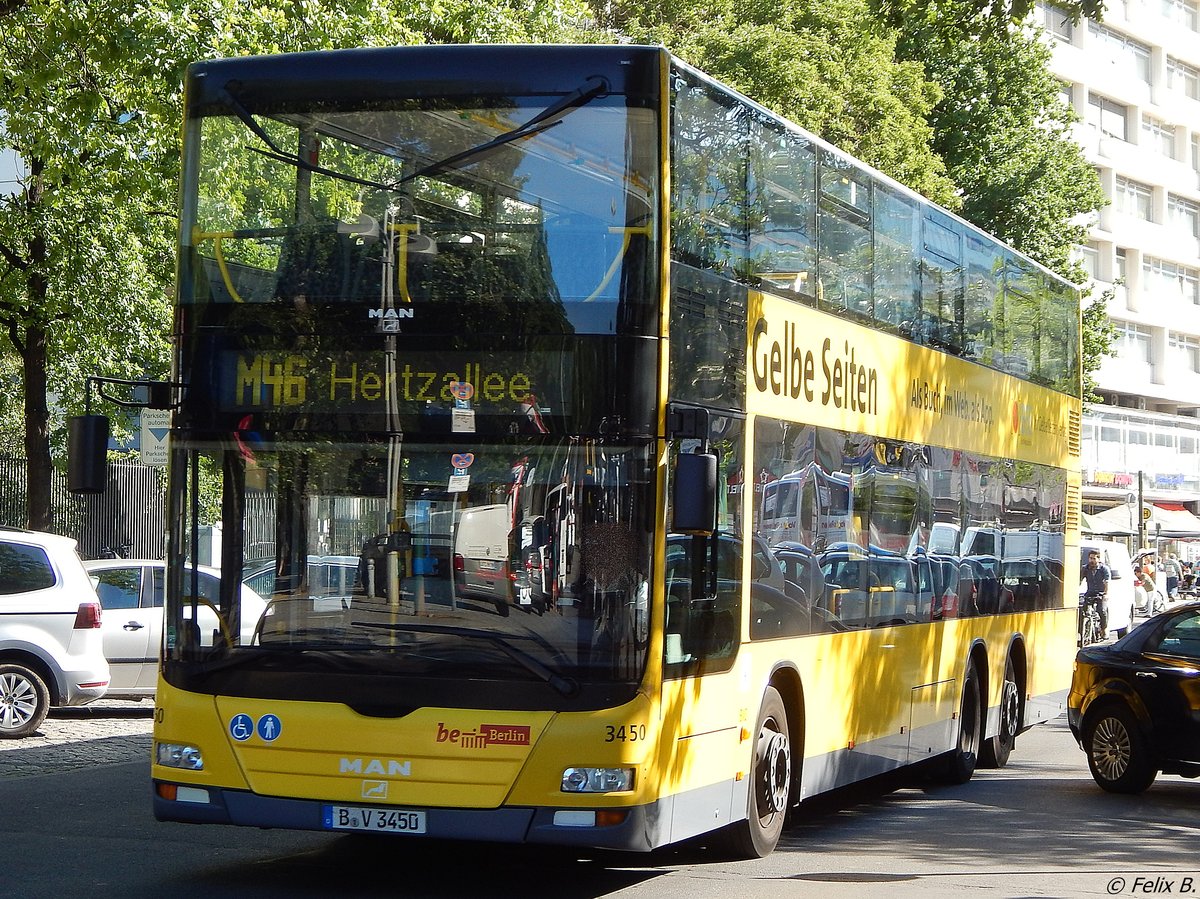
[694,498]
[87,453]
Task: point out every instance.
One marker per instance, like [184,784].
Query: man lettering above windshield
[1096,576]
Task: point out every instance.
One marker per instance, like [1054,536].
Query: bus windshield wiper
[565,685]
[547,118]
[281,155]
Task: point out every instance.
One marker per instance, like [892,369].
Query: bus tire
[959,764]
[770,783]
[997,749]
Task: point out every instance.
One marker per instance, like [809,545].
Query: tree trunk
[38,509]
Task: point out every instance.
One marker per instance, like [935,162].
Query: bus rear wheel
[997,749]
[770,783]
[961,761]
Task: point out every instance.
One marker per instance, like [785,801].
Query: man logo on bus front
[389,319]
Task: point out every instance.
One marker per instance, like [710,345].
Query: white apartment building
[1135,81]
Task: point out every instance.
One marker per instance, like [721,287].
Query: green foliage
[1099,334]
[1004,133]
[1005,136]
[951,98]
[92,100]
[999,12]
[827,66]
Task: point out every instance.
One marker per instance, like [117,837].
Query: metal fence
[129,517]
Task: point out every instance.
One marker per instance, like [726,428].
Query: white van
[481,555]
[1121,585]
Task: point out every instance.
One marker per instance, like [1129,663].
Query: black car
[1135,704]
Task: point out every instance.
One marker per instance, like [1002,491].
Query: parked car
[131,592]
[764,567]
[1134,705]
[331,580]
[871,587]
[50,641]
[801,570]
[1122,582]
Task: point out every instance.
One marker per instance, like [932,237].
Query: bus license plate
[342,817]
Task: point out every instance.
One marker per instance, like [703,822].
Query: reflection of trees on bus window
[775,211]
[781,211]
[845,236]
[944,533]
[897,282]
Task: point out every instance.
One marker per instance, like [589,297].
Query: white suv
[50,644]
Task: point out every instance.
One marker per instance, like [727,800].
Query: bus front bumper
[637,832]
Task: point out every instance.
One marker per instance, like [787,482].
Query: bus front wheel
[770,782]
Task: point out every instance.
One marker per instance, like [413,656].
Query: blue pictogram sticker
[269,727]
[241,727]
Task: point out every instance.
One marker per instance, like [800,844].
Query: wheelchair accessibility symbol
[241,727]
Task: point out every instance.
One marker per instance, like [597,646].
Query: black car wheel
[1117,752]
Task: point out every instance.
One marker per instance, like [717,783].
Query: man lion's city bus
[511,344]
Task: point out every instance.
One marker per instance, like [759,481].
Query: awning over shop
[1098,526]
[1166,520]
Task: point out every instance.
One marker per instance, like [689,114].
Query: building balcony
[1131,231]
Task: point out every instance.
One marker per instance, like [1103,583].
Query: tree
[996,11]
[828,66]
[1099,334]
[92,104]
[953,98]
[1005,136]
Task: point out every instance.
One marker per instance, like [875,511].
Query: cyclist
[1096,577]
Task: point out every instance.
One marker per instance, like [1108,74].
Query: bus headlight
[597,780]
[180,755]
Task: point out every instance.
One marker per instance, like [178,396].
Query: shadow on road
[126,712]
[355,865]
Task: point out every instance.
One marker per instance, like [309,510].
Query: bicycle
[1089,621]
[120,551]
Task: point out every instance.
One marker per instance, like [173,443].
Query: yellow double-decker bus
[516,340]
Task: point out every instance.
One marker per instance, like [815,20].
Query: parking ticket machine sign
[156,425]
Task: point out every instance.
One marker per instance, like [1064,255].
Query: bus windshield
[418,338]
[519,207]
[521,564]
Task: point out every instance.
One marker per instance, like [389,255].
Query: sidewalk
[107,732]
